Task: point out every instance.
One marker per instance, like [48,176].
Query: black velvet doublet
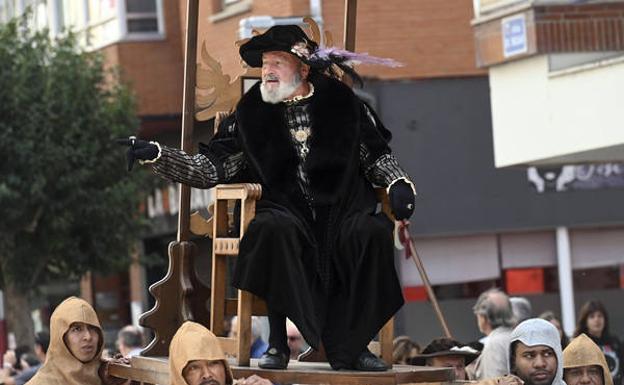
[331,273]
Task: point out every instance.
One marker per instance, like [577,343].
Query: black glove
[401,200]
[138,149]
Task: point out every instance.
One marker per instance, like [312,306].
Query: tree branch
[32,226]
[34,279]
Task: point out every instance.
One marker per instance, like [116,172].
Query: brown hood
[582,351]
[193,342]
[61,367]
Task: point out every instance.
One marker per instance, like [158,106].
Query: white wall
[538,115]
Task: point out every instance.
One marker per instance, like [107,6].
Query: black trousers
[277,263]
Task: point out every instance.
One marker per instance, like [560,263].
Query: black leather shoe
[368,362]
[274,359]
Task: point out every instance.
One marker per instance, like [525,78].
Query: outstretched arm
[217,162]
[196,170]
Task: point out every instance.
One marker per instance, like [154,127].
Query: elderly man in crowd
[585,364]
[130,341]
[447,353]
[535,353]
[495,319]
[196,358]
[521,308]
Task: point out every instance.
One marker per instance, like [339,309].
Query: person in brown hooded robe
[196,358]
[76,342]
[585,364]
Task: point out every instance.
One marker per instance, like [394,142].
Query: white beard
[283,90]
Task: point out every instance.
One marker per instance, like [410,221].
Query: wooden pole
[350,24]
[188,111]
[425,279]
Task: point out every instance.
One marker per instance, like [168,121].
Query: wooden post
[188,111]
[425,280]
[350,24]
[180,296]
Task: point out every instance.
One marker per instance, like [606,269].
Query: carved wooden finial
[214,91]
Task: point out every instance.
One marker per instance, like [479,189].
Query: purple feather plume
[348,57]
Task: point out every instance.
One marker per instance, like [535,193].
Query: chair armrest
[238,191]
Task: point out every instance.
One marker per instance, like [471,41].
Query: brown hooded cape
[194,342]
[61,367]
[582,351]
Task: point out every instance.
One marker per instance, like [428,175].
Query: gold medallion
[301,136]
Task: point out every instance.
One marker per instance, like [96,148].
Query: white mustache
[270,77]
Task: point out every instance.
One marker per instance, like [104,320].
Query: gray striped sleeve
[195,170]
[385,170]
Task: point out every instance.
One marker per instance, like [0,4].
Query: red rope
[405,237]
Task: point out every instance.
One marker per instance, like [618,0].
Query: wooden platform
[148,370]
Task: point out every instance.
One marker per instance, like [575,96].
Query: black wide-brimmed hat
[445,347]
[285,38]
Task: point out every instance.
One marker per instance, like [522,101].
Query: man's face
[595,324]
[82,341]
[535,365]
[456,362]
[204,372]
[584,375]
[282,74]
[295,343]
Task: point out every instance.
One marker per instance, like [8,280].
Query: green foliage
[67,203]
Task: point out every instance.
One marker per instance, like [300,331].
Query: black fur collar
[334,145]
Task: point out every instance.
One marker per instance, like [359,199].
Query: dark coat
[342,258]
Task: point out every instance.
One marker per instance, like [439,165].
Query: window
[7,10]
[142,16]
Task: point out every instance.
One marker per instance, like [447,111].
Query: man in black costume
[317,250]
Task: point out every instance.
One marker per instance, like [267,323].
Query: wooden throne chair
[215,93]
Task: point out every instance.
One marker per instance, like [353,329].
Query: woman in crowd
[594,321]
[553,319]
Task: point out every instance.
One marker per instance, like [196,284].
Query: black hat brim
[421,359]
[277,38]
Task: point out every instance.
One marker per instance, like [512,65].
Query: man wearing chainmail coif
[317,251]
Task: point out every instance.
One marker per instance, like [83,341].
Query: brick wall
[154,68]
[432,38]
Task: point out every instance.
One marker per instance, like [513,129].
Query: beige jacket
[193,342]
[61,367]
[582,351]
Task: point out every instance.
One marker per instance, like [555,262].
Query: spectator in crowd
[28,361]
[447,353]
[258,346]
[553,319]
[12,361]
[130,341]
[404,349]
[495,319]
[584,363]
[42,341]
[535,353]
[521,308]
[594,322]
[296,343]
[196,358]
[73,357]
